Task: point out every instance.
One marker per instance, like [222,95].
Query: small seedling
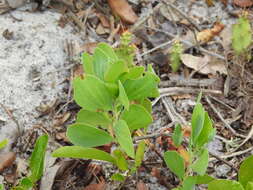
[3,143]
[176,51]
[114,95]
[190,167]
[241,36]
[36,166]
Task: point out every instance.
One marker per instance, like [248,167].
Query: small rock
[222,170]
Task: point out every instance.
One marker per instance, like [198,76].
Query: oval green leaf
[223,184]
[87,136]
[83,153]
[175,163]
[124,138]
[245,171]
[93,118]
[92,94]
[133,122]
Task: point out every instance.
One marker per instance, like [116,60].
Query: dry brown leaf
[204,65]
[6,160]
[123,10]
[98,186]
[101,30]
[104,21]
[141,186]
[182,151]
[208,34]
[209,3]
[243,3]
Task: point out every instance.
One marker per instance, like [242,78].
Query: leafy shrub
[114,95]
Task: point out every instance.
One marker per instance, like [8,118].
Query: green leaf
[189,183]
[92,94]
[207,132]
[198,118]
[223,184]
[141,87]
[241,35]
[133,122]
[123,97]
[87,63]
[1,187]
[93,118]
[83,153]
[200,166]
[81,134]
[249,186]
[177,135]
[140,153]
[118,177]
[115,70]
[147,104]
[175,163]
[120,160]
[123,137]
[102,57]
[37,158]
[26,183]
[245,172]
[205,179]
[3,143]
[134,73]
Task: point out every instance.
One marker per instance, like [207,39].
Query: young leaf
[189,183]
[249,186]
[83,153]
[198,118]
[141,87]
[139,153]
[87,63]
[92,94]
[102,57]
[207,132]
[118,177]
[123,97]
[124,138]
[120,160]
[175,163]
[37,158]
[201,164]
[241,35]
[177,135]
[93,118]
[134,73]
[223,184]
[87,136]
[204,179]
[115,70]
[3,143]
[133,122]
[245,172]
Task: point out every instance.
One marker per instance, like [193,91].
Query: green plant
[175,53]
[241,36]
[113,94]
[3,143]
[36,165]
[191,168]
